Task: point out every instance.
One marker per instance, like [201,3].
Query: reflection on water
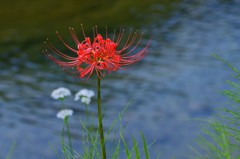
[173,85]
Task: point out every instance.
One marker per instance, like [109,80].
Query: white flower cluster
[60,93]
[85,95]
[62,114]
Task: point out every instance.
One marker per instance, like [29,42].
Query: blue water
[173,86]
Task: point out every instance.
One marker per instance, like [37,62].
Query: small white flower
[84,93]
[62,114]
[60,93]
[85,100]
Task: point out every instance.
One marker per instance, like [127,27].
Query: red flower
[99,55]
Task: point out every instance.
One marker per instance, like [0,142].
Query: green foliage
[145,146]
[90,142]
[221,139]
[215,144]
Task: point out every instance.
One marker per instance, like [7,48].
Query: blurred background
[168,91]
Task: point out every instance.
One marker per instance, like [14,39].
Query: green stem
[69,136]
[62,104]
[87,113]
[100,121]
[63,144]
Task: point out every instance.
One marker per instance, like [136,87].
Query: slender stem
[102,140]
[69,136]
[63,144]
[62,104]
[87,113]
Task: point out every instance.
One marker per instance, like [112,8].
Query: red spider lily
[100,55]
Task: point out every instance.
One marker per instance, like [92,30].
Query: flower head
[84,92]
[99,55]
[86,100]
[62,114]
[85,95]
[60,93]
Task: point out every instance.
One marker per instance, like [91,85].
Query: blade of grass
[145,145]
[117,151]
[135,147]
[125,146]
[54,149]
[117,119]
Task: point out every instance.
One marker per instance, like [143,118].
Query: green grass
[221,138]
[90,142]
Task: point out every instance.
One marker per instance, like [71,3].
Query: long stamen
[135,46]
[74,36]
[94,33]
[65,44]
[129,43]
[129,35]
[114,34]
[96,29]
[83,31]
[132,59]
[106,33]
[98,55]
[57,52]
[120,36]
